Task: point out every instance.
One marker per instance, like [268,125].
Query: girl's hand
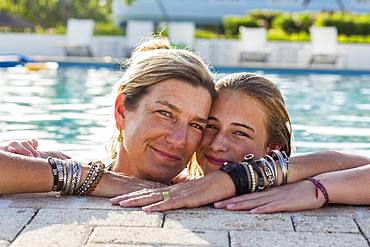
[26,148]
[29,148]
[292,197]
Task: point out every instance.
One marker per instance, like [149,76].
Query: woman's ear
[119,111]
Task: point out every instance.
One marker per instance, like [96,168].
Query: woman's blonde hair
[154,61]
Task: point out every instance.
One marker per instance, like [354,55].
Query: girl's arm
[308,165]
[351,186]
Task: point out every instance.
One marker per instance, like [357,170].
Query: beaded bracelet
[320,186]
[100,173]
[58,173]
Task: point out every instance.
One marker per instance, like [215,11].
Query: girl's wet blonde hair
[278,124]
[154,61]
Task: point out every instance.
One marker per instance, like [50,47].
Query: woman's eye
[197,126]
[165,113]
[241,133]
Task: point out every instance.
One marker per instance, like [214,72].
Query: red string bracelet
[319,186]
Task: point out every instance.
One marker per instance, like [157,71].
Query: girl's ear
[273,147]
[119,111]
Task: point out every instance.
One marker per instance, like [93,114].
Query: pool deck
[49,220]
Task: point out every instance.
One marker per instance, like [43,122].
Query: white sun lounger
[78,37]
[324,45]
[253,45]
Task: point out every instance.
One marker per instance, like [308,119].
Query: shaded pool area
[69,109]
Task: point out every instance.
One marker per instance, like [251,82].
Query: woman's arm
[351,186]
[22,174]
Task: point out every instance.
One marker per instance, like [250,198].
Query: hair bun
[153,43]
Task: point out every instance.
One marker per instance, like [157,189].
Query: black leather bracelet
[54,171]
[239,177]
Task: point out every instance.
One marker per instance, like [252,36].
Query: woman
[248,116]
[168,90]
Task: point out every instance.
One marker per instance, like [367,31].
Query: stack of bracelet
[249,175]
[67,176]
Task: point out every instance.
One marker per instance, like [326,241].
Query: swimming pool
[68,109]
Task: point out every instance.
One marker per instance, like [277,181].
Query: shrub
[232,23]
[286,23]
[107,29]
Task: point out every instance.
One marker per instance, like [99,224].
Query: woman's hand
[114,184]
[29,148]
[291,197]
[195,193]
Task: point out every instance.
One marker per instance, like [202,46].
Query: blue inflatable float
[11,60]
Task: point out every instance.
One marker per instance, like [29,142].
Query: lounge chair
[181,32]
[253,45]
[79,36]
[135,31]
[324,45]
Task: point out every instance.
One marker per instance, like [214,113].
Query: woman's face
[161,134]
[236,127]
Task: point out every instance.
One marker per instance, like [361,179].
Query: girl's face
[236,127]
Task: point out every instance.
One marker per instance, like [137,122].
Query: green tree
[51,13]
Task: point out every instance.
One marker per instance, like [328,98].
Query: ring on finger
[166,195]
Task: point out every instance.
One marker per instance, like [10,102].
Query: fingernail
[253,211]
[230,205]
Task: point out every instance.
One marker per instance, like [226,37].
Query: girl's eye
[197,126]
[211,126]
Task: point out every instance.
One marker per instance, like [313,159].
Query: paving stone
[328,224]
[93,202]
[13,220]
[330,210]
[363,211]
[294,239]
[228,220]
[364,224]
[120,245]
[158,236]
[53,235]
[43,200]
[4,243]
[98,217]
[54,200]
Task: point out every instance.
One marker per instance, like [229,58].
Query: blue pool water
[69,109]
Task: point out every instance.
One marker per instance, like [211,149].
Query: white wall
[282,54]
[218,52]
[51,45]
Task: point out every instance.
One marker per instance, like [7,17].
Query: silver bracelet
[253,176]
[273,167]
[69,179]
[283,165]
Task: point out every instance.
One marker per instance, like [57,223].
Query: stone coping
[50,220]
